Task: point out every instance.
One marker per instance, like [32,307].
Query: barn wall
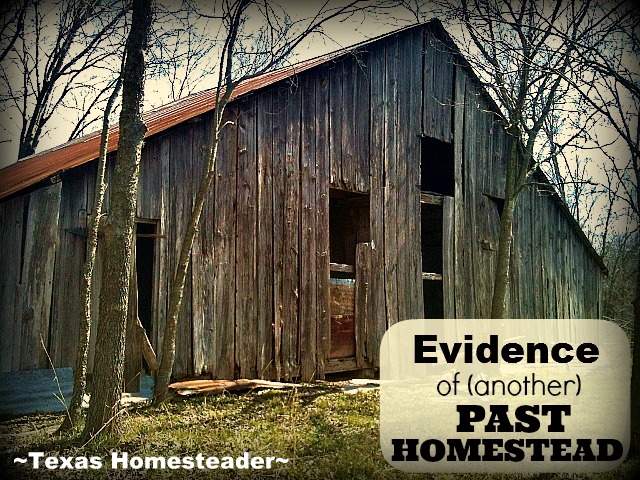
[554,274]
[256,303]
[29,241]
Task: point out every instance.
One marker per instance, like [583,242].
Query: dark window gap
[437,170]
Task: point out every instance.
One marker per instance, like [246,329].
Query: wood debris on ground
[214,387]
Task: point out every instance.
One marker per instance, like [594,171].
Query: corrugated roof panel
[40,166]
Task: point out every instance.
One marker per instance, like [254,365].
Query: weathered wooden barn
[353,191]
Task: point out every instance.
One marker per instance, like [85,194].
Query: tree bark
[118,234]
[503,266]
[82,351]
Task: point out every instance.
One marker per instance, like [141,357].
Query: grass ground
[325,433]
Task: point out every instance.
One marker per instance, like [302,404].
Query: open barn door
[350,259]
[141,305]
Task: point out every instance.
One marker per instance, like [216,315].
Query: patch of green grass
[326,434]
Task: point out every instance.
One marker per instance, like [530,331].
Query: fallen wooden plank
[340,267]
[147,350]
[214,387]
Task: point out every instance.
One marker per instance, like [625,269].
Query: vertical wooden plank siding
[378,323]
[390,185]
[470,179]
[67,306]
[308,232]
[336,106]
[448,260]
[257,299]
[246,285]
[402,154]
[180,203]
[202,273]
[265,235]
[348,111]
[224,251]
[362,300]
[11,219]
[149,202]
[362,110]
[279,154]
[162,247]
[438,89]
[323,167]
[291,243]
[38,262]
[460,280]
[413,157]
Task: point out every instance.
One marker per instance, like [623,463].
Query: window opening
[437,172]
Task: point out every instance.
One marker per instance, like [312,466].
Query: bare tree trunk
[82,351]
[118,233]
[503,266]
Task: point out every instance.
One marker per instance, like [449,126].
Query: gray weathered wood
[378,324]
[323,168]
[11,219]
[224,257]
[67,307]
[202,256]
[290,243]
[308,232]
[264,299]
[363,300]
[246,285]
[38,262]
[279,154]
[390,93]
[180,203]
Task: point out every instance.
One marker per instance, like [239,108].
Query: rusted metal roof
[40,166]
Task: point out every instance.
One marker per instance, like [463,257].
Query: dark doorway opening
[145,261]
[431,227]
[348,226]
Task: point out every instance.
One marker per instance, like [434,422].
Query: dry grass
[325,433]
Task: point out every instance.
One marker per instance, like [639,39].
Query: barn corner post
[118,233]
